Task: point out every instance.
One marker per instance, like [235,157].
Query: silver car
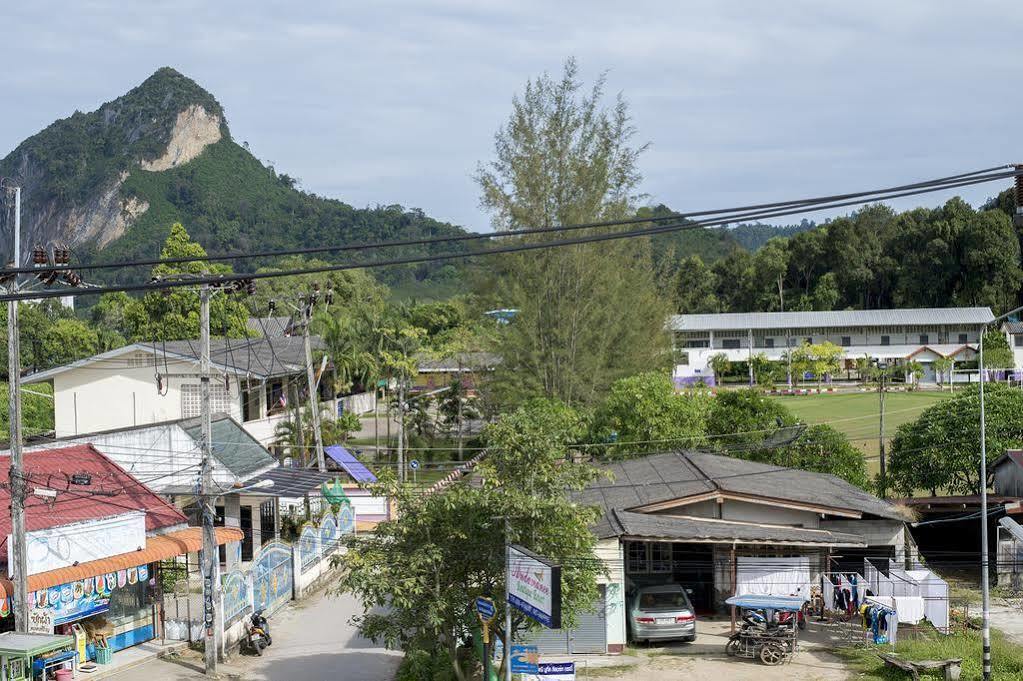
[661,613]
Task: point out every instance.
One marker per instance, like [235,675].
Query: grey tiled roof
[628,524]
[663,477]
[741,321]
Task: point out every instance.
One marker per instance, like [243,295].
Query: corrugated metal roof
[51,469]
[350,463]
[293,482]
[707,529]
[742,321]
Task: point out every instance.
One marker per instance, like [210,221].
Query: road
[313,641]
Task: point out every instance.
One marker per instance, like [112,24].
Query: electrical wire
[984,175]
[224,279]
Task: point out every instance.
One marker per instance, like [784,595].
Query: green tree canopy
[643,413]
[417,576]
[588,314]
[743,419]
[940,450]
[174,314]
[997,353]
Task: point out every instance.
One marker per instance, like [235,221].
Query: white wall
[112,394]
[747,512]
[610,551]
[160,456]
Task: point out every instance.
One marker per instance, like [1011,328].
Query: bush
[426,665]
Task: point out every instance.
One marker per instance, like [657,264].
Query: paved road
[312,642]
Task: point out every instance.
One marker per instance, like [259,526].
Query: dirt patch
[807,665]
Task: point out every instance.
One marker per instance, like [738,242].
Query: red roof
[112,491]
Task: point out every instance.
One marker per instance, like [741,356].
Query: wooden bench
[951,668]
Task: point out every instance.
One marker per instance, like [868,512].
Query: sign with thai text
[534,586]
[40,621]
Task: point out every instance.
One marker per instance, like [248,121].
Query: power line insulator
[271,306]
[250,286]
[61,255]
[39,256]
[47,277]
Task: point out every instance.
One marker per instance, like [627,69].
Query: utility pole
[210,556]
[401,426]
[19,569]
[507,603]
[314,405]
[882,371]
[984,588]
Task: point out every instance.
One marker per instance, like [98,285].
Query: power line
[515,248]
[977,176]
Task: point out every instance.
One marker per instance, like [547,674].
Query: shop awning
[160,547]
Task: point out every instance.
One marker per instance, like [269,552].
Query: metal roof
[270,326]
[233,446]
[646,525]
[293,482]
[257,358]
[658,478]
[742,321]
[112,491]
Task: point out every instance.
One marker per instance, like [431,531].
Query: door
[245,523]
[590,636]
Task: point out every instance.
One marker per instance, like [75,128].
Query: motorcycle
[258,636]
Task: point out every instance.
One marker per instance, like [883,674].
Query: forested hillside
[874,258]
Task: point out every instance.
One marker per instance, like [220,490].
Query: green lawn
[1007,658]
[856,414]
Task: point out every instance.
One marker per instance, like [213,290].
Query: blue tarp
[347,460]
[785,603]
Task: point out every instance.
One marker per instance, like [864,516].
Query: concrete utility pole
[314,404]
[984,588]
[401,427]
[210,556]
[19,568]
[882,371]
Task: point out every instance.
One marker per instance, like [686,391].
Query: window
[1018,340]
[846,341]
[682,358]
[730,343]
[191,403]
[660,558]
[808,340]
[636,558]
[924,339]
[276,399]
[768,342]
[697,344]
[251,391]
[962,339]
[886,340]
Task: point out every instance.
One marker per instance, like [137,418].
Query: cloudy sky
[396,102]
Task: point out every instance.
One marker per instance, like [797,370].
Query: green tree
[745,422]
[823,449]
[915,370]
[68,340]
[943,369]
[174,314]
[643,413]
[695,287]
[563,159]
[997,353]
[417,576]
[820,359]
[720,365]
[940,450]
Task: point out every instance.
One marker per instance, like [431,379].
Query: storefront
[112,603]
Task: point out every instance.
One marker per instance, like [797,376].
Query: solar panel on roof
[352,465]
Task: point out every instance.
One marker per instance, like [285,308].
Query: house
[440,372]
[921,334]
[255,380]
[1013,330]
[167,458]
[696,519]
[96,538]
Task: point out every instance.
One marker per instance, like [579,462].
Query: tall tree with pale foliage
[587,314]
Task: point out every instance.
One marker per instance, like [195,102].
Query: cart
[24,657]
[772,644]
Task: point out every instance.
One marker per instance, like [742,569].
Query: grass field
[857,414]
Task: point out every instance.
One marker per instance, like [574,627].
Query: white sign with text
[62,546]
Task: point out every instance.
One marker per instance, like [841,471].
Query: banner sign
[525,659]
[554,671]
[53,548]
[534,586]
[77,600]
[40,621]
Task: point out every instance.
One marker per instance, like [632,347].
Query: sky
[397,102]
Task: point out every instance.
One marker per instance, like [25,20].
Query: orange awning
[160,547]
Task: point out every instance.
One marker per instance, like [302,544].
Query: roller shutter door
[589,637]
